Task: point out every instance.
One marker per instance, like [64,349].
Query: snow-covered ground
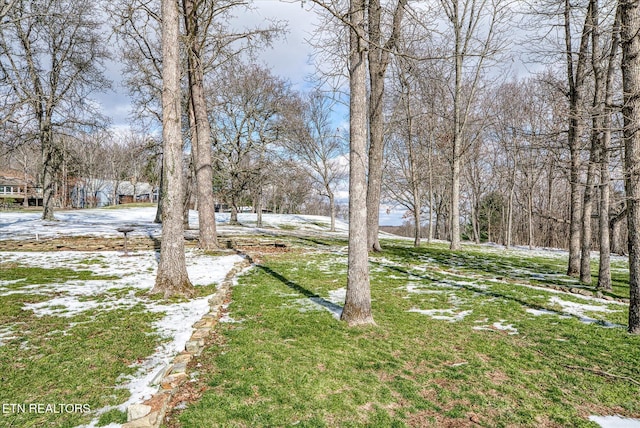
[547,252]
[105,222]
[615,422]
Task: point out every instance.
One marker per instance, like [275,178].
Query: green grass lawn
[473,337]
[460,340]
[52,360]
[71,337]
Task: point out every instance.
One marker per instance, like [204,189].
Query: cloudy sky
[288,58]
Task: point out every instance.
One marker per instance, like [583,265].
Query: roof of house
[125,188]
[10,176]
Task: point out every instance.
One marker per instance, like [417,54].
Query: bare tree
[629,28]
[200,129]
[357,305]
[314,142]
[593,26]
[210,42]
[245,114]
[51,53]
[604,108]
[172,277]
[475,27]
[406,164]
[378,61]
[576,71]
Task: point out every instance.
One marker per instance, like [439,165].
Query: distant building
[16,186]
[87,193]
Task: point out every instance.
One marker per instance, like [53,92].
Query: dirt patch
[429,394]
[498,377]
[418,368]
[445,384]
[431,418]
[544,422]
[9,265]
[594,409]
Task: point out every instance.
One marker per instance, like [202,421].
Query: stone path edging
[150,413]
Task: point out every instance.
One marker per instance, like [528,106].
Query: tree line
[437,122]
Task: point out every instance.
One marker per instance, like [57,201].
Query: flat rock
[137,411]
[149,421]
[194,346]
[173,381]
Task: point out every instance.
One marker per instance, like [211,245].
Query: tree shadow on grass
[336,310]
[483,292]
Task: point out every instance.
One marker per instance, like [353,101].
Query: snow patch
[413,288]
[439,314]
[6,334]
[104,222]
[538,312]
[579,309]
[499,326]
[338,296]
[615,422]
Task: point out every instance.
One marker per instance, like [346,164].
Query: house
[16,186]
[87,193]
[129,192]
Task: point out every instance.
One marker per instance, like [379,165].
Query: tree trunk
[158,218]
[604,268]
[357,305]
[475,223]
[25,202]
[418,229]
[187,193]
[378,61]
[431,202]
[489,217]
[576,82]
[574,226]
[455,198]
[437,234]
[332,208]
[48,177]
[587,211]
[550,186]
[509,231]
[615,226]
[172,275]
[202,139]
[378,56]
[417,200]
[530,215]
[259,209]
[594,152]
[456,151]
[604,265]
[630,26]
[233,218]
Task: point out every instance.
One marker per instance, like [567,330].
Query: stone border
[151,413]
